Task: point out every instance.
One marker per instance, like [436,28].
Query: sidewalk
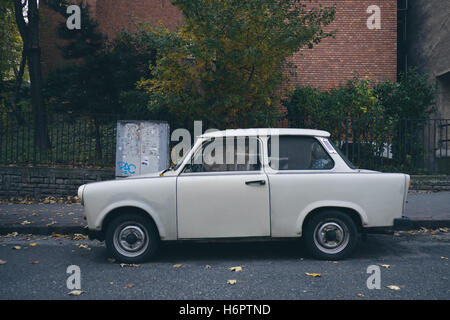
[425,209]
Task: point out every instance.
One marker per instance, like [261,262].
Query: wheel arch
[112,213]
[354,212]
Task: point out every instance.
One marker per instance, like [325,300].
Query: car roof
[266,132]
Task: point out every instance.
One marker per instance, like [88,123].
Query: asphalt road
[418,266]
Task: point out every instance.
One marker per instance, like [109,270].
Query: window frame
[297,170]
[260,158]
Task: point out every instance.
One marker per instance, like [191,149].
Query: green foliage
[412,97]
[105,80]
[10,41]
[227,62]
[10,56]
[84,42]
[355,100]
[372,116]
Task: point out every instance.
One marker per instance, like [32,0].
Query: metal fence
[395,145]
[416,146]
[74,141]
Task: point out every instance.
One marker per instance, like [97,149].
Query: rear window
[298,153]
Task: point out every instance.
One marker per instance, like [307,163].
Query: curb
[417,224]
[44,230]
[403,226]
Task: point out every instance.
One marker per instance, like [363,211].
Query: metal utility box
[142,147]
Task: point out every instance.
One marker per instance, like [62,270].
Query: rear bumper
[403,223]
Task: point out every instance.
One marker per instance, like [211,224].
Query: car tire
[132,238]
[330,235]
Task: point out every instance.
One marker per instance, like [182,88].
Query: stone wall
[40,182]
[431,183]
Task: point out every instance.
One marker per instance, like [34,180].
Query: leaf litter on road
[76,292]
[235,269]
[314,275]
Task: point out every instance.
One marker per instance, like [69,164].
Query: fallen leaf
[25,222]
[387,266]
[78,236]
[392,287]
[76,292]
[235,269]
[129,265]
[314,275]
[82,246]
[232,282]
[12,234]
[33,244]
[178,265]
[2,261]
[112,260]
[129,285]
[444,258]
[17,247]
[35,262]
[360,295]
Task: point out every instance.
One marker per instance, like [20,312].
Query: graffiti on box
[126,168]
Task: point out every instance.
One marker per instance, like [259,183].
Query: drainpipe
[404,11]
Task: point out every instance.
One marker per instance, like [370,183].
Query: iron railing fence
[416,146]
[81,141]
[397,145]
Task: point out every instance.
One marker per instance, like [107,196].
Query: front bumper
[95,235]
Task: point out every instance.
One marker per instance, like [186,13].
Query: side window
[298,153]
[227,154]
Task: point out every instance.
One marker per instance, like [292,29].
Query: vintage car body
[329,204]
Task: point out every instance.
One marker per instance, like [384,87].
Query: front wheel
[132,238]
[330,235]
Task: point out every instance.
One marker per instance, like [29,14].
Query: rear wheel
[132,238]
[330,235]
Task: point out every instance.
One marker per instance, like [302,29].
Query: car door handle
[260,182]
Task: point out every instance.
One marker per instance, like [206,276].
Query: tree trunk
[29,32]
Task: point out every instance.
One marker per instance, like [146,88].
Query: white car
[272,183]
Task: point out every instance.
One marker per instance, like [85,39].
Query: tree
[12,60]
[27,19]
[227,62]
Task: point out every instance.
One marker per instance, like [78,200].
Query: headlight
[80,193]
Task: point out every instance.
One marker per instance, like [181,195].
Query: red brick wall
[355,50]
[113,15]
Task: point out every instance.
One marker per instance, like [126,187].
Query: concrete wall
[41,182]
[428,45]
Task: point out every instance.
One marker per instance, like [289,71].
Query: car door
[224,200]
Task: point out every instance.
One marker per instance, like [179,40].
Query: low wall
[38,182]
[432,183]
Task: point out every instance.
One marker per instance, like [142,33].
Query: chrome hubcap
[331,236]
[131,239]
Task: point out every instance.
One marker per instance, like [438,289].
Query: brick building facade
[355,51]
